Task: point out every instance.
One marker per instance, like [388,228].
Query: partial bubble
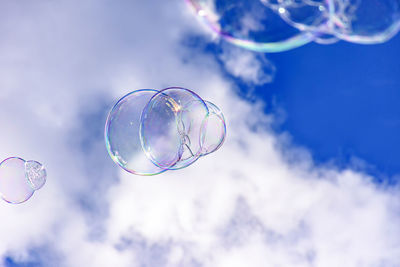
[19,179]
[35,173]
[279,25]
[358,21]
[250,24]
[365,21]
[305,15]
[122,134]
[213,130]
[171,127]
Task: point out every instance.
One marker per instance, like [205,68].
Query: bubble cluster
[148,132]
[279,25]
[19,179]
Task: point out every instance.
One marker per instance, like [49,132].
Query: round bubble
[250,24]
[171,126]
[365,21]
[122,134]
[36,174]
[14,186]
[213,130]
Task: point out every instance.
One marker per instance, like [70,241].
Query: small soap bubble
[19,179]
[35,173]
[148,131]
[213,130]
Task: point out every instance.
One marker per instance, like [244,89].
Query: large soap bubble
[365,21]
[122,134]
[171,127]
[302,14]
[250,24]
[148,132]
[278,25]
[19,179]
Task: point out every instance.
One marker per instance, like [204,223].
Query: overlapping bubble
[279,25]
[19,179]
[148,132]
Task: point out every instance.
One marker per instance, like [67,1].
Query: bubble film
[250,24]
[286,24]
[19,179]
[302,14]
[213,130]
[365,21]
[148,132]
[122,134]
[171,127]
[35,173]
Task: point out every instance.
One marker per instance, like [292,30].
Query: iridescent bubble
[359,21]
[279,25]
[148,131]
[122,134]
[171,128]
[305,15]
[213,130]
[19,179]
[250,24]
[36,174]
[365,21]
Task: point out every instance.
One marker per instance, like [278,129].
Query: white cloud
[252,68]
[256,202]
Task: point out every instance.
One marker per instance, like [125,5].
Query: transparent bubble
[148,132]
[359,21]
[122,134]
[305,15]
[279,25]
[14,187]
[365,21]
[250,24]
[36,174]
[171,126]
[213,130]
[19,179]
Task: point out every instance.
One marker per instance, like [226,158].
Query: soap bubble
[213,130]
[36,174]
[19,179]
[365,21]
[305,15]
[358,21]
[171,127]
[148,131]
[122,134]
[278,25]
[250,24]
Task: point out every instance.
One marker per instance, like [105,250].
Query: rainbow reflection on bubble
[19,179]
[249,24]
[148,132]
[280,25]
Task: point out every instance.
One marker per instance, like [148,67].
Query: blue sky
[309,132]
[353,118]
[354,110]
